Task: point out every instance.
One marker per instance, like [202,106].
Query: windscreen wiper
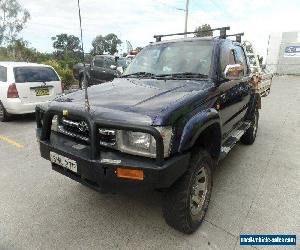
[140,74]
[183,75]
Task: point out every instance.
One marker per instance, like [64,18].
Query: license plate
[41,92]
[63,161]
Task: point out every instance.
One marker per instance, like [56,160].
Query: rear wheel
[3,113]
[249,136]
[186,201]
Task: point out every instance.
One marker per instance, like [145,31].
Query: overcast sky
[138,20]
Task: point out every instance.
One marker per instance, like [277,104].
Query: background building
[283,55]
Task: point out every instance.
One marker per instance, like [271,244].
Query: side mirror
[120,69]
[234,71]
[113,67]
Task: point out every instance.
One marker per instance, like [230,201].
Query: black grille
[77,129]
[107,137]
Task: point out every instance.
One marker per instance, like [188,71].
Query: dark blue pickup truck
[177,110]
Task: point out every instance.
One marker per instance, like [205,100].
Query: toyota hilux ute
[177,110]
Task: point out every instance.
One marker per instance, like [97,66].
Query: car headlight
[144,144]
[138,143]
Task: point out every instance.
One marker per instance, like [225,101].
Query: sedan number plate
[63,161]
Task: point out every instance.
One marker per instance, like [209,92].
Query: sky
[138,20]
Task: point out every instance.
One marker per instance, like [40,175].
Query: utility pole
[186,16]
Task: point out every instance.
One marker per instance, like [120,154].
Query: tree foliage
[67,49]
[64,42]
[20,50]
[105,44]
[203,30]
[13,18]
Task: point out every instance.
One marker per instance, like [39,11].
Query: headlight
[144,144]
[138,143]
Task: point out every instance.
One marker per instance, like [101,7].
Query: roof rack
[222,33]
[238,36]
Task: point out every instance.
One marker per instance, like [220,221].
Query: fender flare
[195,126]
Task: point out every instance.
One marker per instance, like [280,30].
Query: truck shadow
[22,118]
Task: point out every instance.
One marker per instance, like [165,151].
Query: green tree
[67,49]
[13,18]
[203,30]
[66,43]
[108,43]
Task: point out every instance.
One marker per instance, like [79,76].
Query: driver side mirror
[234,72]
[113,67]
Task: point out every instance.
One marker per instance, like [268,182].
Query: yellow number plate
[40,92]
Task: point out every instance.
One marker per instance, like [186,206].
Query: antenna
[86,97]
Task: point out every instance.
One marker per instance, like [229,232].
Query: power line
[171,6]
[221,9]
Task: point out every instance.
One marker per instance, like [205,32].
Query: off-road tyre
[177,208]
[249,136]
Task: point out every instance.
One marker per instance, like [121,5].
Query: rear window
[3,74]
[35,74]
[103,62]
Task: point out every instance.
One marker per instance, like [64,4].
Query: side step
[233,139]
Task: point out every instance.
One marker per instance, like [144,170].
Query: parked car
[24,85]
[178,109]
[103,68]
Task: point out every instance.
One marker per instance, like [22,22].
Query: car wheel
[186,201]
[3,113]
[249,136]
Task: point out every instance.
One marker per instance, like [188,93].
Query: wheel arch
[203,130]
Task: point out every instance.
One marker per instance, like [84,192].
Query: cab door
[234,94]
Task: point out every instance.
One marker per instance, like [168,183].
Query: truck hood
[145,101]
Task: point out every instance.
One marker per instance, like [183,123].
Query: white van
[25,85]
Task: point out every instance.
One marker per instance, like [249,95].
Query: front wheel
[186,201]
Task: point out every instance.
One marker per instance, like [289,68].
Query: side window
[3,74]
[107,62]
[241,58]
[98,62]
[227,56]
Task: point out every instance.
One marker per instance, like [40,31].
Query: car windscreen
[3,74]
[34,74]
[192,56]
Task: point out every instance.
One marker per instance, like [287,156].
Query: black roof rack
[222,33]
[238,36]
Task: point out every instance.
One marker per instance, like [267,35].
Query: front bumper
[101,175]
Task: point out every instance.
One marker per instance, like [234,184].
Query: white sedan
[25,85]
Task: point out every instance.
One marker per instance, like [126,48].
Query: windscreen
[3,74]
[34,74]
[174,57]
